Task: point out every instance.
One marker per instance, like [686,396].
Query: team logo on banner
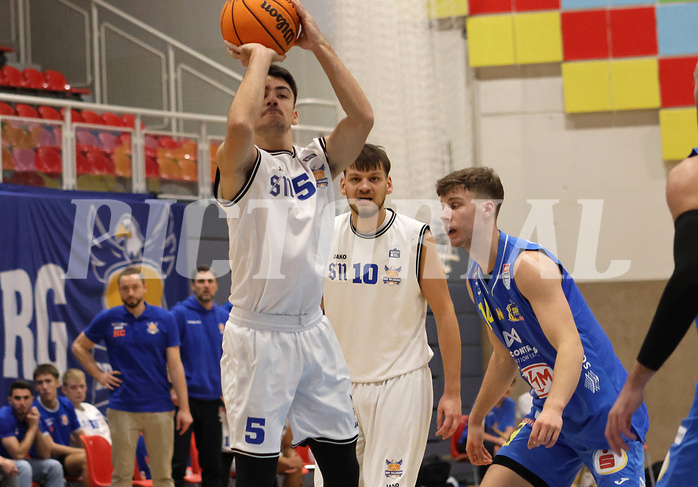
[506,277]
[128,247]
[393,468]
[607,462]
[392,276]
[319,173]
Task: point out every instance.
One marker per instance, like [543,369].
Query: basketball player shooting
[280,356]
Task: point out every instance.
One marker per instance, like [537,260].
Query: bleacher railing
[197,185]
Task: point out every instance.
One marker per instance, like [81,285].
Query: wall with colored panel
[615,54]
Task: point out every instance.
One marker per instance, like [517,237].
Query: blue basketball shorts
[559,464]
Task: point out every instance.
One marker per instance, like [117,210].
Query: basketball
[272,23]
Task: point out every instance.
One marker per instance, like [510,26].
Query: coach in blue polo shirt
[201,323]
[143,345]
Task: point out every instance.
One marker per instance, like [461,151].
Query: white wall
[542,153]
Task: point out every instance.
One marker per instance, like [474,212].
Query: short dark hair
[371,157]
[200,269]
[45,369]
[21,384]
[276,71]
[483,182]
[130,271]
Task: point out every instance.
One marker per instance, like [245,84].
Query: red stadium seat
[57,82]
[112,119]
[91,117]
[13,77]
[152,170]
[48,161]
[26,111]
[193,475]
[75,116]
[26,179]
[49,136]
[99,163]
[6,109]
[49,113]
[168,142]
[25,159]
[34,79]
[98,455]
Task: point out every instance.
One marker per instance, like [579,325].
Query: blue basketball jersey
[510,316]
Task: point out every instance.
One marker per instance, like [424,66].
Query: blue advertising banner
[60,255]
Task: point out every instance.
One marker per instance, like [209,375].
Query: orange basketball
[272,23]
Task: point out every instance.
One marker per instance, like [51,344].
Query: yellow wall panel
[439,9]
[537,38]
[491,40]
[679,133]
[635,84]
[587,86]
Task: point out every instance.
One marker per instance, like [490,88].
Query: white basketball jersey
[92,421]
[373,299]
[280,226]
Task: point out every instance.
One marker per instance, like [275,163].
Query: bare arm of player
[629,399]
[81,349]
[57,449]
[500,372]
[237,153]
[435,289]
[540,282]
[176,371]
[347,139]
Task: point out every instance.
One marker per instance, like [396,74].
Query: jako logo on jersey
[513,312]
[506,277]
[320,178]
[607,462]
[512,337]
[393,254]
[393,468]
[539,377]
[340,256]
[153,328]
[392,275]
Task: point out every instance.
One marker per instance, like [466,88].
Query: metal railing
[138,134]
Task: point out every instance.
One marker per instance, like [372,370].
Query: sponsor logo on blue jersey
[513,312]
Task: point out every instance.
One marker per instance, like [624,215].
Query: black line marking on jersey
[377,234]
[420,247]
[262,26]
[244,189]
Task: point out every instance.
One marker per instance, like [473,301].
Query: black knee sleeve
[337,463]
[679,304]
[254,471]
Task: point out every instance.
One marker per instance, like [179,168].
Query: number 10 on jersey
[367,273]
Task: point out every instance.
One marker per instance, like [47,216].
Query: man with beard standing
[201,323]
[143,346]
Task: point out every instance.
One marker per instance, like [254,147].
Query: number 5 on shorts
[254,431]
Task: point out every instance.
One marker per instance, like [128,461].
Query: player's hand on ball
[546,429]
[310,36]
[475,446]
[244,52]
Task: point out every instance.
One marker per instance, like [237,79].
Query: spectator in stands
[201,323]
[143,346]
[92,421]
[21,439]
[9,474]
[62,433]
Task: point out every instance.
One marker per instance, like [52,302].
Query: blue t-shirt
[499,418]
[511,318]
[201,335]
[137,348]
[227,306]
[60,422]
[10,425]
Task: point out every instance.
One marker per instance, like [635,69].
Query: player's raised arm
[435,289]
[539,281]
[348,137]
[236,155]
